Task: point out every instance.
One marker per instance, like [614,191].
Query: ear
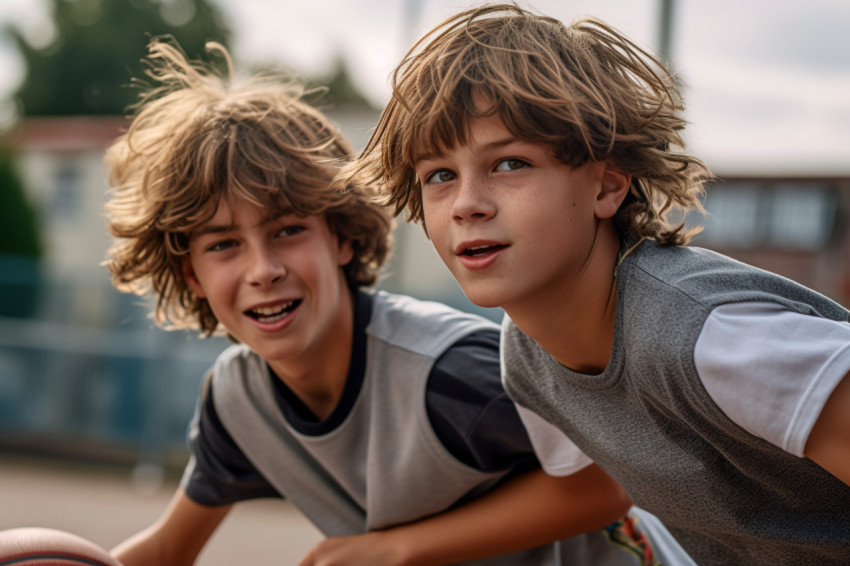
[345,253]
[614,186]
[190,278]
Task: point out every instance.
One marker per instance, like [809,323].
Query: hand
[370,549]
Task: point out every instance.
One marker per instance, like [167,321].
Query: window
[66,199]
[732,215]
[792,215]
[801,217]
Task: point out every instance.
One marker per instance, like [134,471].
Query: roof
[67,133]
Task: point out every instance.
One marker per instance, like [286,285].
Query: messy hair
[199,137]
[584,90]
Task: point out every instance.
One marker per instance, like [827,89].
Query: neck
[317,377]
[575,321]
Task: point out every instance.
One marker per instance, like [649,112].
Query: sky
[766,83]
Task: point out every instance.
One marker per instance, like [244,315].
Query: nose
[473,200]
[266,268]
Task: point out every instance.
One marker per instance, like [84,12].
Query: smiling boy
[302,328]
[381,417]
[543,160]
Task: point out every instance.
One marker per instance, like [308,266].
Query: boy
[542,160]
[380,417]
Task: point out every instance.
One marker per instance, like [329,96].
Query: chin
[485,298]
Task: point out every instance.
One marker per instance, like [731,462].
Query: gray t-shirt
[741,350]
[728,495]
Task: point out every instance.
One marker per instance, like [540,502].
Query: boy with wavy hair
[382,418]
[543,160]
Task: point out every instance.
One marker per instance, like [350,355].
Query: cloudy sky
[767,83]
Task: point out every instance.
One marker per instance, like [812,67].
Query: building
[92,375]
[796,226]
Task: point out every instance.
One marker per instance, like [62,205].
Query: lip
[276,324]
[491,250]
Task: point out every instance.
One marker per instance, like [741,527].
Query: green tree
[98,48]
[18,225]
[20,244]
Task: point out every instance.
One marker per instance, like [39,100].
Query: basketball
[36,546]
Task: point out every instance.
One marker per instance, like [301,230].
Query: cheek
[432,219]
[431,207]
[435,231]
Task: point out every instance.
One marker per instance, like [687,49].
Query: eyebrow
[224,228]
[495,144]
[212,229]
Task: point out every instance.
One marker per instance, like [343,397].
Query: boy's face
[275,283]
[511,222]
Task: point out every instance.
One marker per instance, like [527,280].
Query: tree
[20,243]
[19,234]
[99,47]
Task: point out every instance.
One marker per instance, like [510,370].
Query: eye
[220,246]
[291,230]
[440,176]
[511,164]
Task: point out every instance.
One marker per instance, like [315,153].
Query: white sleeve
[557,454]
[771,370]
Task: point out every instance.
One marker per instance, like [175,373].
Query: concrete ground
[105,505]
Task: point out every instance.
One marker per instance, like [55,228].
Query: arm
[549,509]
[829,442]
[782,376]
[176,538]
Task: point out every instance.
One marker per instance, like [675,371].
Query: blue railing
[84,371]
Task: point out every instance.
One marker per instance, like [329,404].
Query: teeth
[268,311]
[477,250]
[270,314]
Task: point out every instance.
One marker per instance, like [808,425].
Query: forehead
[446,129]
[482,134]
[233,209]
[237,213]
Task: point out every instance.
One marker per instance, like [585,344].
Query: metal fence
[84,371]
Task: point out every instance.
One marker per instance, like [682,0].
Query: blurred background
[94,399]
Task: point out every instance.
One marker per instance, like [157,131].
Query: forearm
[139,550]
[176,538]
[531,510]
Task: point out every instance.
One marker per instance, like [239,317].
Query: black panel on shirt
[469,411]
[222,473]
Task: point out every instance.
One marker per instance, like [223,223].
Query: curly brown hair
[199,136]
[583,89]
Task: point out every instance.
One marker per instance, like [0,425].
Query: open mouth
[271,314]
[478,251]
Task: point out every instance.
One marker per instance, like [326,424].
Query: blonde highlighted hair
[583,89]
[198,136]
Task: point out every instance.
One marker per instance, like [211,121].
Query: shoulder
[683,274]
[469,410]
[471,363]
[689,276]
[470,367]
[238,361]
[417,325]
[235,355]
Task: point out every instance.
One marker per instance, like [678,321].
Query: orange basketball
[36,546]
